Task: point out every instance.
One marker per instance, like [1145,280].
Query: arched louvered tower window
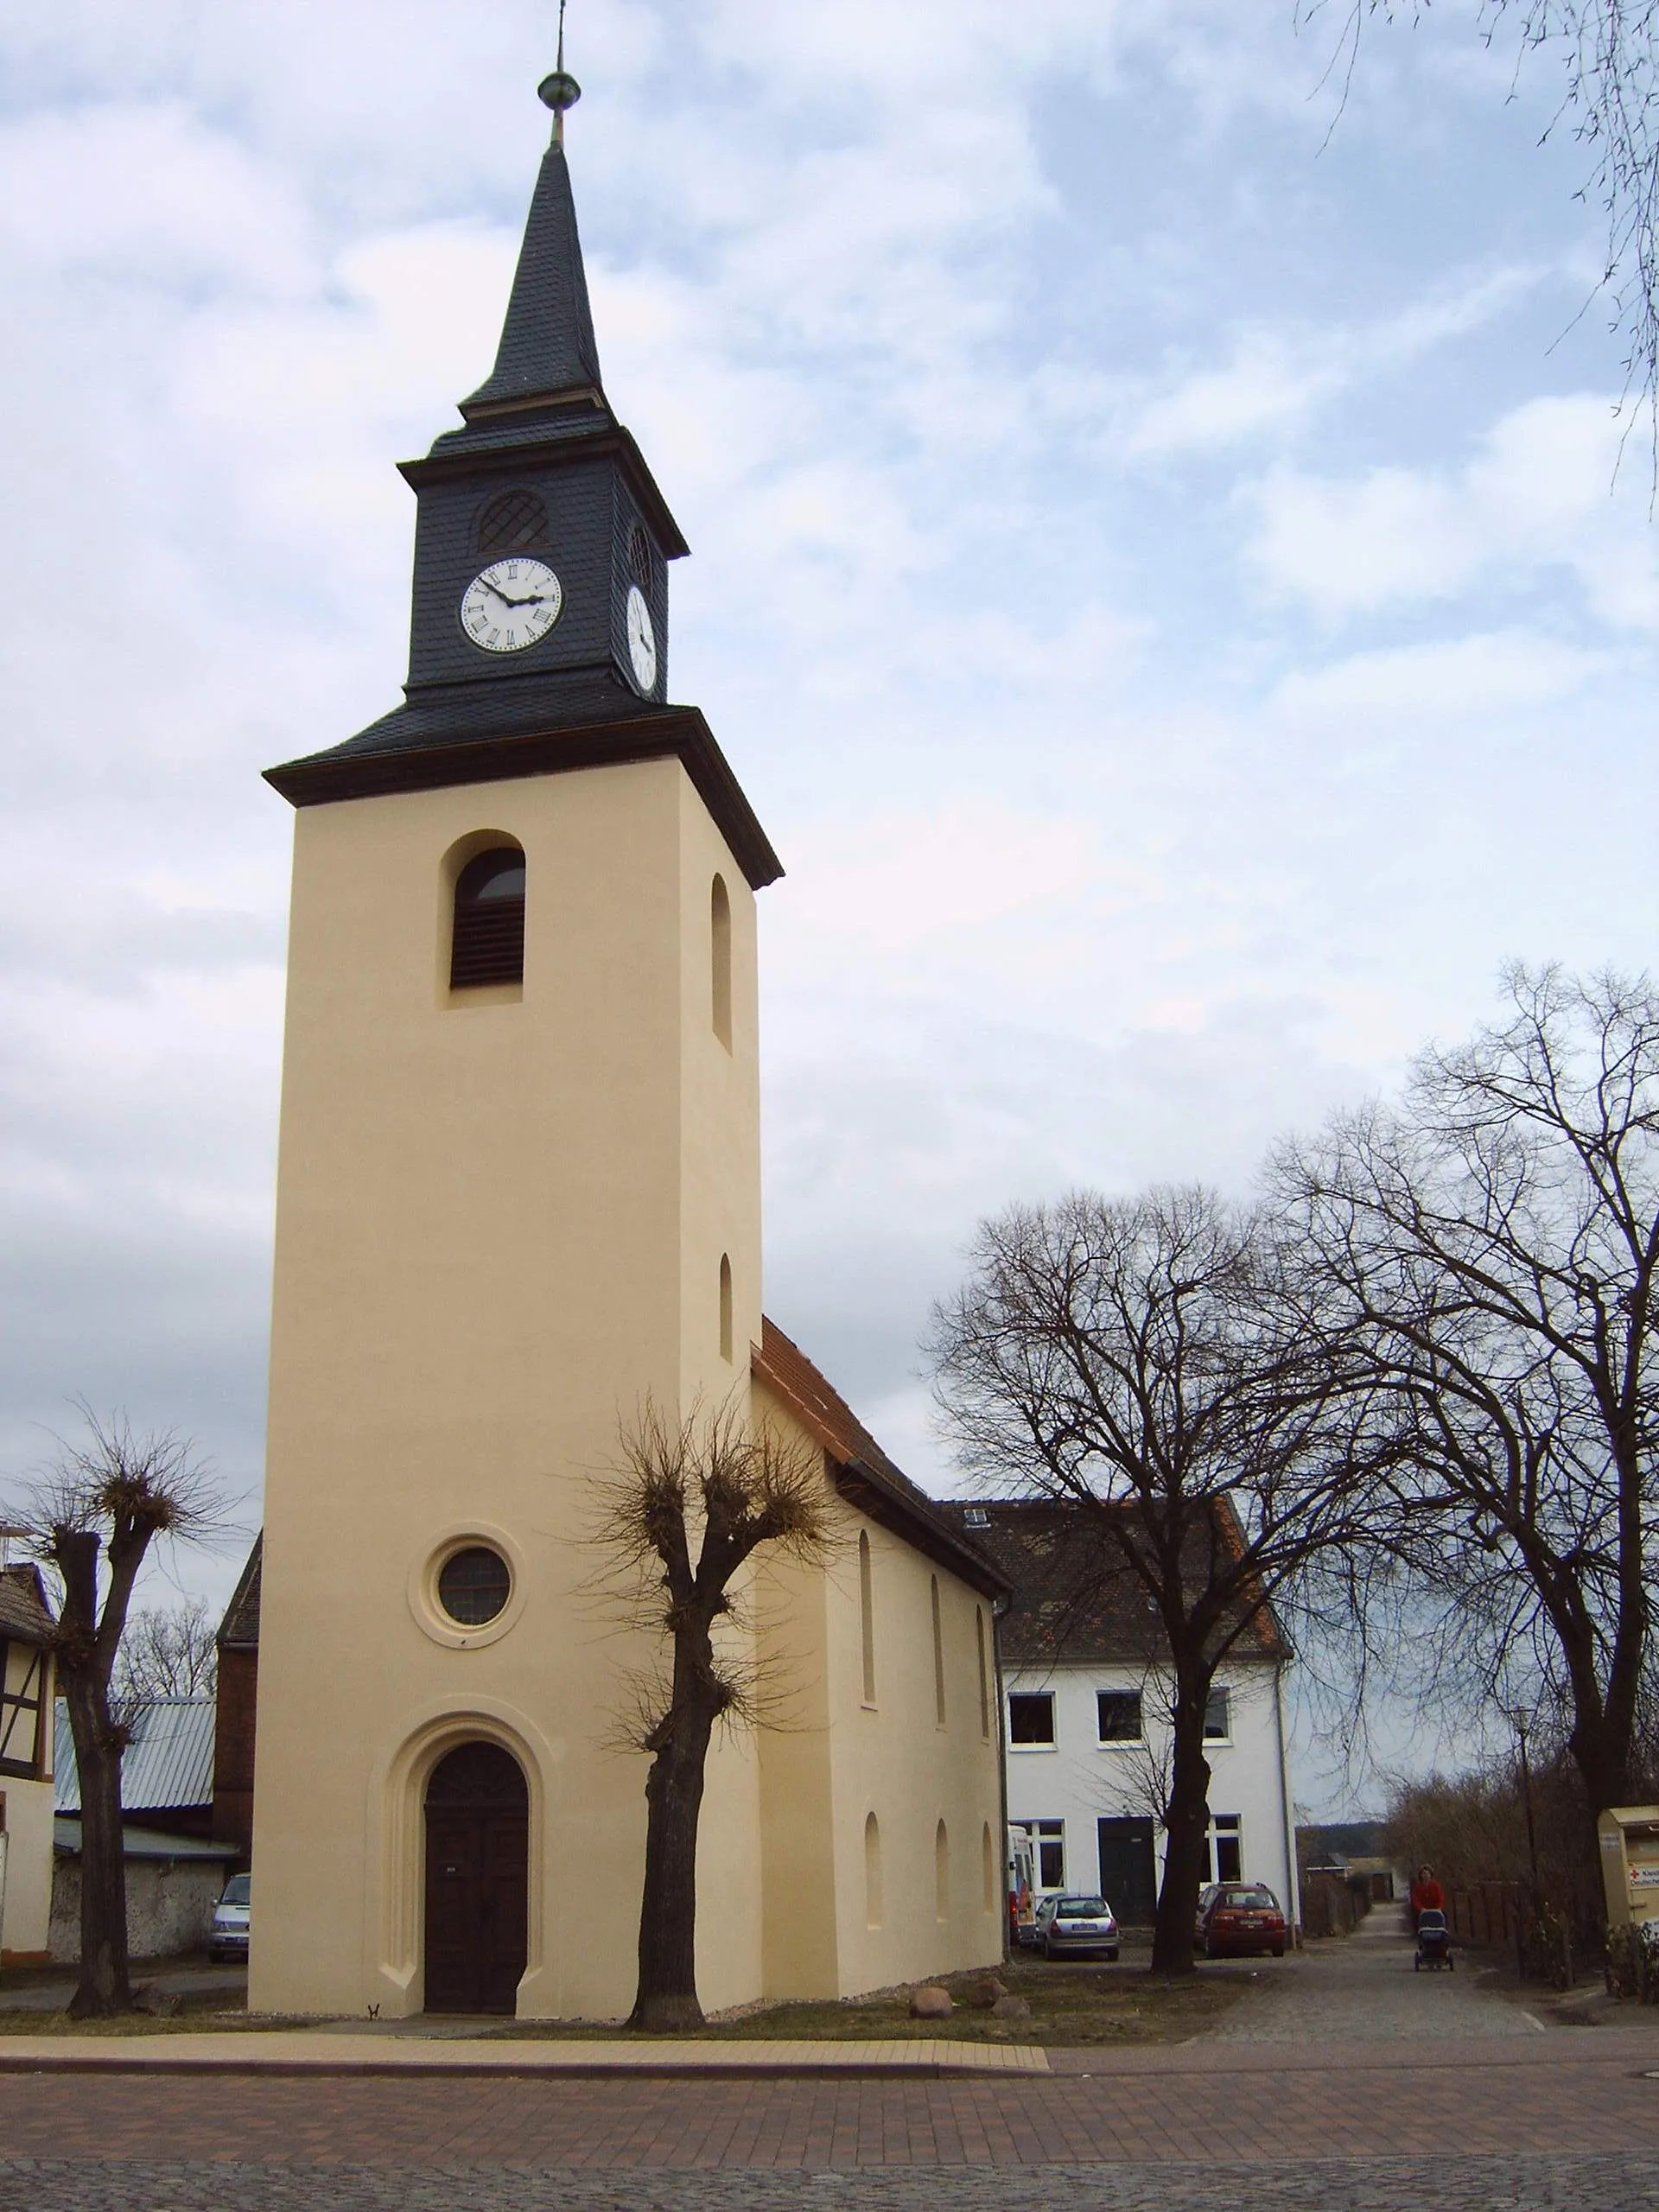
[488,943]
[512,522]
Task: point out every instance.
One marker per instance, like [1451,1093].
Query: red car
[1241,1917]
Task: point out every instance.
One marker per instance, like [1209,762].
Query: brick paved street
[1334,2089]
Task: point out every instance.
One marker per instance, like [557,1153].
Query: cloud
[1543,490]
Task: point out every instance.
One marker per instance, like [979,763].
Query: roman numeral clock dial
[510,605]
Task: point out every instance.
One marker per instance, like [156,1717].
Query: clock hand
[529,598]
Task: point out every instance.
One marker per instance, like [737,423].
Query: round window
[474,1586]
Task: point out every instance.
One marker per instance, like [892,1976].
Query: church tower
[519,1195]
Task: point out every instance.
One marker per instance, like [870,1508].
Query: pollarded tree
[688,1507]
[95,1515]
[1493,1241]
[1127,1358]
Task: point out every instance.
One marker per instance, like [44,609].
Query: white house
[1086,1732]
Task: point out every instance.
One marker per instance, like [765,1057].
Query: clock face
[642,641]
[510,604]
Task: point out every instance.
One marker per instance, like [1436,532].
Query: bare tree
[1608,54]
[1496,1237]
[688,1507]
[1126,1358]
[168,1651]
[94,1516]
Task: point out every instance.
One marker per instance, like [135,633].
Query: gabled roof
[167,1765]
[1075,1600]
[863,1472]
[239,1630]
[25,1615]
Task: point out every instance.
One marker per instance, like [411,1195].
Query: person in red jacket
[1426,1895]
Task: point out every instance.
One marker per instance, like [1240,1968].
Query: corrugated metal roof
[167,1765]
[145,1843]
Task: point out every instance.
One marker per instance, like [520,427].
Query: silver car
[231,1917]
[1076,1924]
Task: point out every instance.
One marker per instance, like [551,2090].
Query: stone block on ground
[929,2002]
[1009,2007]
[983,1993]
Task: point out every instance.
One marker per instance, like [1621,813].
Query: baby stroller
[1433,1943]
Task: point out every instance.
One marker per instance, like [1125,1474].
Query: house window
[939,1652]
[1120,1716]
[1219,1724]
[984,1674]
[1226,1846]
[474,1586]
[720,936]
[941,1872]
[725,1306]
[487,941]
[1030,1718]
[866,1617]
[1047,1851]
[512,522]
[22,1672]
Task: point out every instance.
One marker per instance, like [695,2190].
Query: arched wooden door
[477,1880]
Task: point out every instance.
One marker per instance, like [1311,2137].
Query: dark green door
[1129,1872]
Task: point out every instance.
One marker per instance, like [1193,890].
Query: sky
[1163,571]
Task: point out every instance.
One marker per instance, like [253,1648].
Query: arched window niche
[484,905]
[719,954]
[873,1905]
[866,1615]
[986,1870]
[725,1306]
[941,1872]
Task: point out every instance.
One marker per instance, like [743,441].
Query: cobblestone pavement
[1605,2184]
[1198,2104]
[1364,1987]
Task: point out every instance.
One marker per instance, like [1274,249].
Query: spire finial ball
[558,92]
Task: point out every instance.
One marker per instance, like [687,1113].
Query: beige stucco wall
[499,1227]
[837,1759]
[24,1933]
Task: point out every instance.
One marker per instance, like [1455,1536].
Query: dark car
[1242,1917]
[1067,1925]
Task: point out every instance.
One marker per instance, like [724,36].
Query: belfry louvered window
[513,523]
[22,1676]
[489,943]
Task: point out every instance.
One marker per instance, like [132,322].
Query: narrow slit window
[873,1908]
[984,1674]
[939,1652]
[725,1306]
[488,944]
[987,1869]
[720,942]
[866,1617]
[941,1872]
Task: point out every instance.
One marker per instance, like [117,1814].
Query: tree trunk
[666,2000]
[1186,1823]
[105,1986]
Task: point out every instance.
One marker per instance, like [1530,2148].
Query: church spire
[548,350]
